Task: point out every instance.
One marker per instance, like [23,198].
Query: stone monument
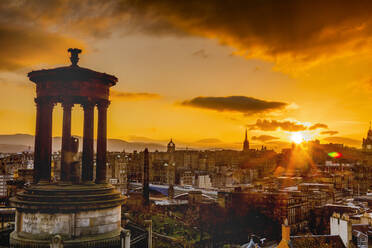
[69,213]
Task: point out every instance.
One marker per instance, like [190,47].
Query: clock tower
[367,142]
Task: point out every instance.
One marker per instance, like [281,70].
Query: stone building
[310,241]
[4,178]
[117,171]
[10,164]
[187,178]
[203,181]
[278,206]
[134,163]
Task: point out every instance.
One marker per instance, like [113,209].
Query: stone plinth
[83,215]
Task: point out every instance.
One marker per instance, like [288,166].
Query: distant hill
[6,148]
[11,143]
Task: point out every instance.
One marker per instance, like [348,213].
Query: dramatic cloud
[344,140]
[264,138]
[329,132]
[318,126]
[26,47]
[272,125]
[133,96]
[243,104]
[281,31]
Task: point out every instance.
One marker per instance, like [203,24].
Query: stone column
[37,147]
[66,154]
[43,140]
[101,142]
[88,152]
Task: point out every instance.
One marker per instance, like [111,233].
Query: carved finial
[74,55]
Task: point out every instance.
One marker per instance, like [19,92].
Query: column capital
[88,105]
[45,101]
[67,104]
[103,103]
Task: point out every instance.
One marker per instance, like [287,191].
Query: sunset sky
[200,72]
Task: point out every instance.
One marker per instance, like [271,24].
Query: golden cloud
[318,126]
[26,47]
[120,95]
[272,125]
[329,132]
[264,138]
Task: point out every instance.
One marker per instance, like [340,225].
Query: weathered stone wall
[98,221]
[70,224]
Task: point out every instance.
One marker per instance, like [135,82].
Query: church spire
[246,142]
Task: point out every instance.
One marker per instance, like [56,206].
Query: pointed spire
[246,142]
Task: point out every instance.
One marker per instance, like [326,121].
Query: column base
[88,182]
[66,183]
[103,241]
[43,182]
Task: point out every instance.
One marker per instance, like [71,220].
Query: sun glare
[297,138]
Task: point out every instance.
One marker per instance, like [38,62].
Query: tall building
[171,147]
[367,142]
[246,143]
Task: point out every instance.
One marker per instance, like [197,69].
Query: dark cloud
[344,140]
[318,126]
[272,125]
[243,104]
[329,132]
[300,30]
[25,47]
[264,138]
[132,95]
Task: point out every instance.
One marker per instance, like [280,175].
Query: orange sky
[196,70]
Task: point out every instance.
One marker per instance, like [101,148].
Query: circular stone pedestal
[80,215]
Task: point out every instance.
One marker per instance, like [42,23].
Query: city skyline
[201,78]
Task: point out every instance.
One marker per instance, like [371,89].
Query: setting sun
[297,138]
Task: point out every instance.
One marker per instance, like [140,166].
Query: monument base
[102,241]
[73,215]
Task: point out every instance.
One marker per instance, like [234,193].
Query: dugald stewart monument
[79,210]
